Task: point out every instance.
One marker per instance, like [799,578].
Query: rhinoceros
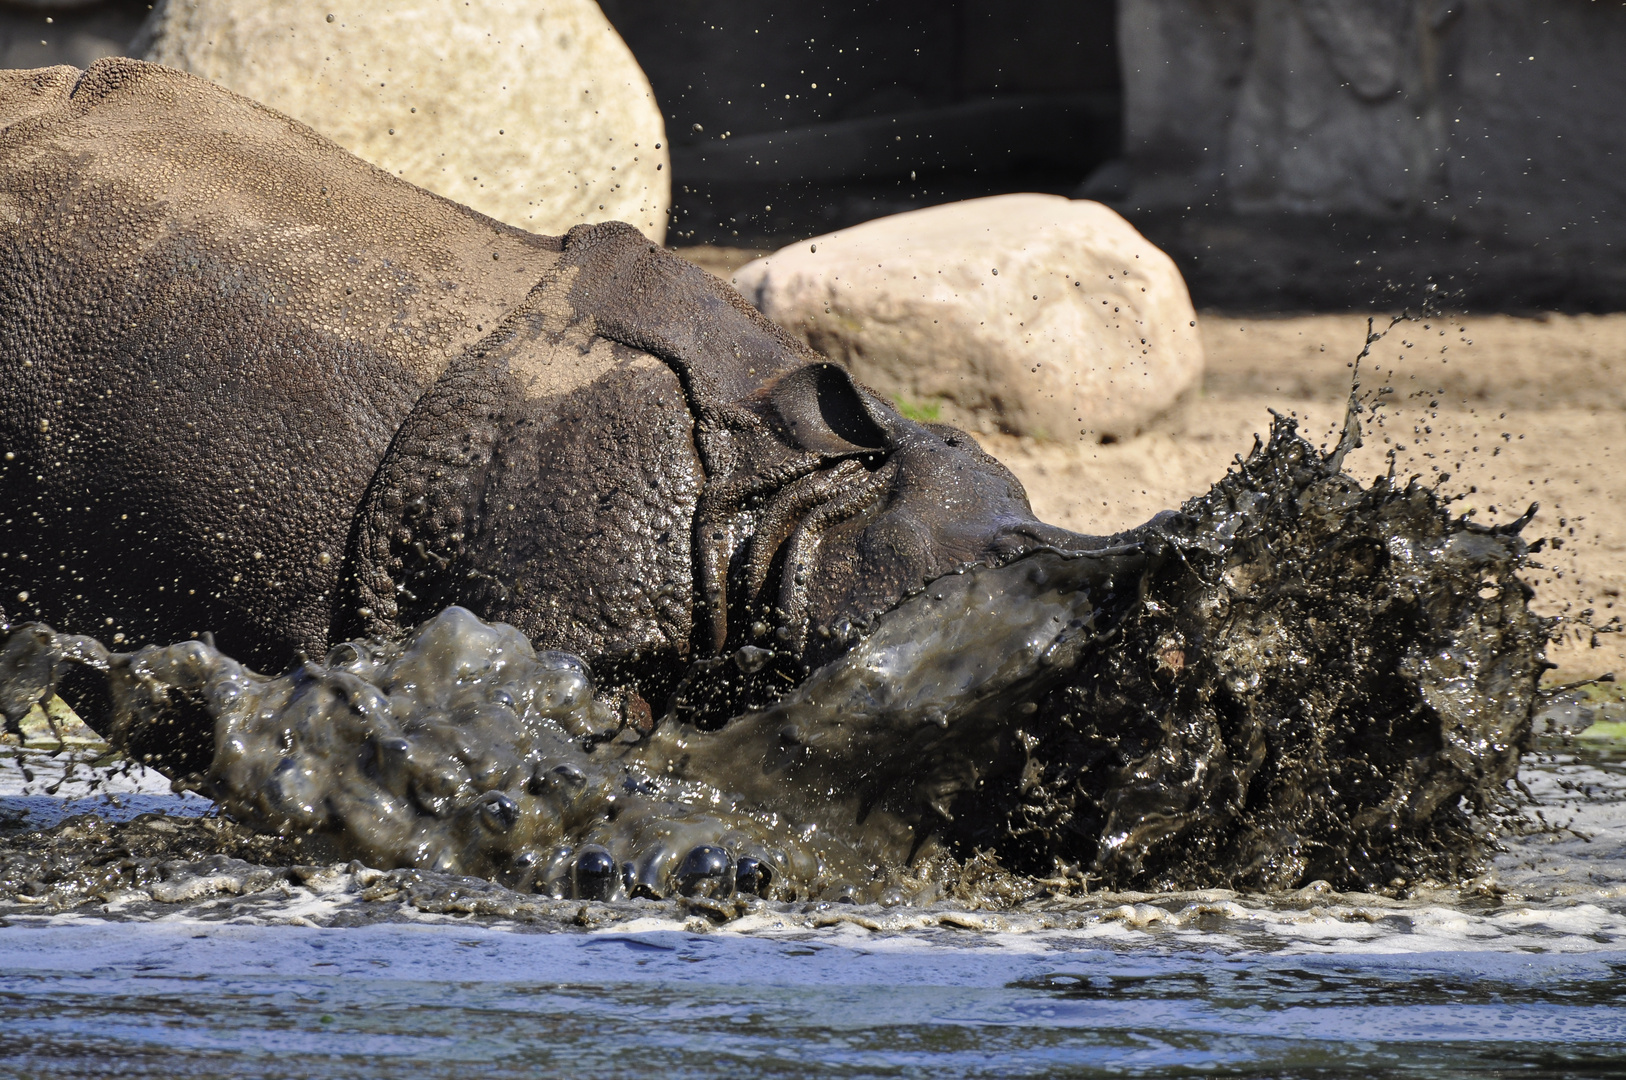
[256,390]
[254,386]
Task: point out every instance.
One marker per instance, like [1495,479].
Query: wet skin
[256,390]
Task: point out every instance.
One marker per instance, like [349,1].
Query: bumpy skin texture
[211,325]
[252,385]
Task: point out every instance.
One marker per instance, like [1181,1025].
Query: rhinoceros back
[212,322]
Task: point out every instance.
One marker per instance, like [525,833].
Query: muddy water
[1291,679]
[341,971]
[1263,759]
[1296,677]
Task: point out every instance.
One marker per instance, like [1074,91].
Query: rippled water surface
[184,999]
[342,973]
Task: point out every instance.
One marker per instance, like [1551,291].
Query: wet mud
[1296,677]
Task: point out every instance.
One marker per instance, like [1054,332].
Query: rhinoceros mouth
[947,646]
[1296,677]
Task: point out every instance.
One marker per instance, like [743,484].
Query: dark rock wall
[1502,117]
[1288,153]
[1533,104]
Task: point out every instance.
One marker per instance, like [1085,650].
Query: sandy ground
[1528,410]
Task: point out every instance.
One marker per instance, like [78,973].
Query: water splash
[1295,677]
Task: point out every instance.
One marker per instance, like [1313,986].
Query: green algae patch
[54,726]
[924,411]
[1604,703]
[1594,711]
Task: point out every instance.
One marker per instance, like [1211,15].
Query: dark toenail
[498,812]
[752,875]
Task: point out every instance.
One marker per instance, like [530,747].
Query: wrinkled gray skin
[253,386]
[253,389]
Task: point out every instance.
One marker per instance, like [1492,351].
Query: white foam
[63,787]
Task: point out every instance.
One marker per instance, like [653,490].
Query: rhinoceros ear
[819,407]
[649,299]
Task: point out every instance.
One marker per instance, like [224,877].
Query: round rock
[1032,314]
[531,111]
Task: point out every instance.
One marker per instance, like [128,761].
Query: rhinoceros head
[640,468]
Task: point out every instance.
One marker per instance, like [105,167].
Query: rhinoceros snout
[844,509]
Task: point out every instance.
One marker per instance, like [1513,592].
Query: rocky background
[1287,153]
[532,112]
[1341,150]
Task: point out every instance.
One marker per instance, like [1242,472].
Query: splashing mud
[1295,677]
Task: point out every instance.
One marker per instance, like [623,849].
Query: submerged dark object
[1301,678]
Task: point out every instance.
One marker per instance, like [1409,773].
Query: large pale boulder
[1033,314]
[531,111]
